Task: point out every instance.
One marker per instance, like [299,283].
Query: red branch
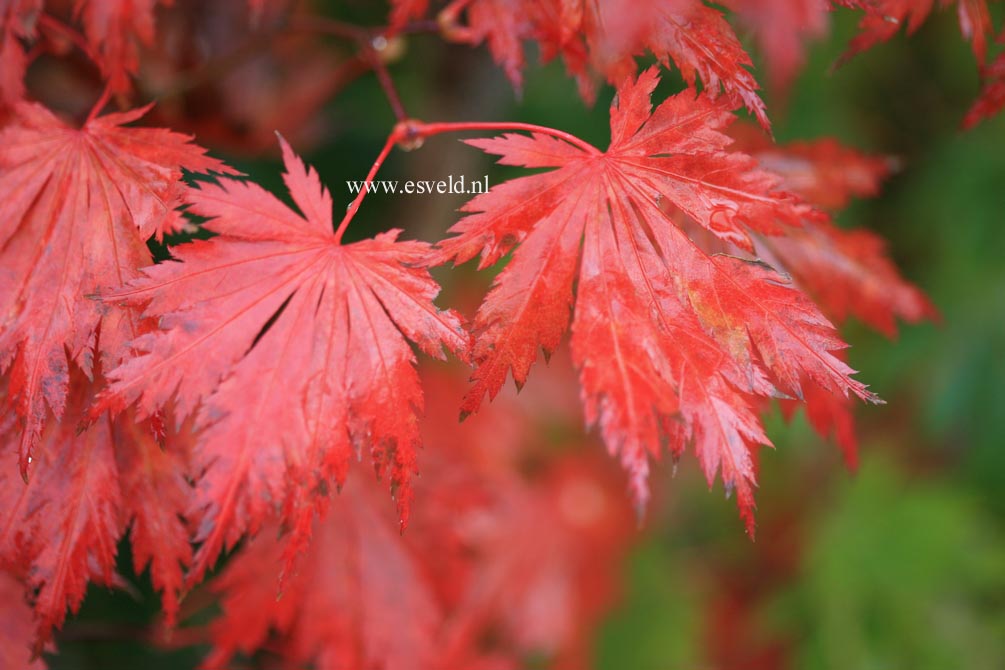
[407,133]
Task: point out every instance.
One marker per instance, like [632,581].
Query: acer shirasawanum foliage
[291,346]
[488,552]
[125,183]
[61,529]
[670,340]
[225,394]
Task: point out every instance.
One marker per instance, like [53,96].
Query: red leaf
[609,34]
[546,552]
[884,18]
[668,339]
[846,271]
[992,97]
[76,207]
[831,417]
[823,171]
[61,529]
[495,565]
[782,28]
[155,497]
[503,25]
[116,29]
[294,346]
[360,598]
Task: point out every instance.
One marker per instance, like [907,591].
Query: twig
[410,133]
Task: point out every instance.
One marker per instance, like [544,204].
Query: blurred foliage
[900,575]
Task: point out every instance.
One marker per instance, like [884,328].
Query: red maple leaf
[884,18]
[782,28]
[847,272]
[992,96]
[503,25]
[495,562]
[542,529]
[76,207]
[607,36]
[60,531]
[153,478]
[824,172]
[668,339]
[294,348]
[359,599]
[116,29]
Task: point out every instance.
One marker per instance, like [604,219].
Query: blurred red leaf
[61,530]
[608,35]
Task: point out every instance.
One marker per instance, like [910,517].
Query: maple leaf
[293,346]
[494,566]
[360,598]
[116,29]
[153,479]
[668,340]
[503,25]
[76,207]
[847,272]
[782,28]
[61,530]
[831,417]
[823,171]
[992,96]
[884,18]
[543,550]
[538,553]
[607,35]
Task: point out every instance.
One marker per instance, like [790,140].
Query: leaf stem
[100,104]
[410,133]
[418,130]
[366,41]
[392,139]
[384,77]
